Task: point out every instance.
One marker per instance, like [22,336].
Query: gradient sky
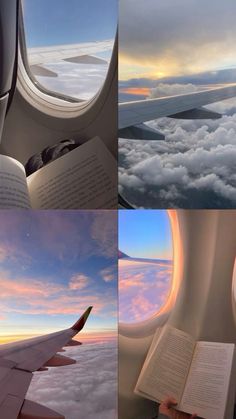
[175,37]
[144,286]
[53,265]
[58,22]
[145,234]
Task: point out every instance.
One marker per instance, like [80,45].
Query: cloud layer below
[193,168]
[143,288]
[87,389]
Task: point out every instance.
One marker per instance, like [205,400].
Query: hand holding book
[167,408]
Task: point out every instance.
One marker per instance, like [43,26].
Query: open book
[199,375]
[83,178]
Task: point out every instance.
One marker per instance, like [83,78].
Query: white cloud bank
[193,167]
[79,81]
[87,389]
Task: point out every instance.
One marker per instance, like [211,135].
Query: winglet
[81,322]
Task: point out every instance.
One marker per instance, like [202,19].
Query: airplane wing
[19,360]
[187,106]
[83,53]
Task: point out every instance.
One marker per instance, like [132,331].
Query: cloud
[163,89]
[87,389]
[79,281]
[3,253]
[79,81]
[104,232]
[176,36]
[109,274]
[193,167]
[26,288]
[143,288]
[37,296]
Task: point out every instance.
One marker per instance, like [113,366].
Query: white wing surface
[19,360]
[83,53]
[187,106]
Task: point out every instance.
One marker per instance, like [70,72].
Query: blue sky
[53,265]
[56,22]
[145,234]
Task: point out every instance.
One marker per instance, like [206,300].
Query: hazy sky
[175,37]
[145,234]
[53,265]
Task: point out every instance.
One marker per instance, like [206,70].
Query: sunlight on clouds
[175,37]
[143,288]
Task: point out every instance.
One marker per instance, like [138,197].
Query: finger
[170,401]
[193,416]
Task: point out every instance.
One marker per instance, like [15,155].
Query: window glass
[68,44]
[168,48]
[145,263]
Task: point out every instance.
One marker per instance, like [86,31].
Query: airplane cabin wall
[204,302]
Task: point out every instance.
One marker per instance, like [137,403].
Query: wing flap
[39,70]
[141,132]
[59,361]
[11,406]
[86,59]
[41,55]
[32,410]
[199,113]
[73,343]
[14,387]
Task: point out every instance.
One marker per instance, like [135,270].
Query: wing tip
[82,320]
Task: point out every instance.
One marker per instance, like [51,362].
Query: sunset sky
[175,37]
[53,265]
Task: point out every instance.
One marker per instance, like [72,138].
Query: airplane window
[145,263]
[171,48]
[67,45]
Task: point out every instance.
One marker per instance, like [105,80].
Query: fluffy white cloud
[79,281]
[76,80]
[87,389]
[193,167]
[174,89]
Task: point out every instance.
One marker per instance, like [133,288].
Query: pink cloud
[79,281]
[25,288]
[34,296]
[141,306]
[109,274]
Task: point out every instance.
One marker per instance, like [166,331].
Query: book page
[167,368]
[207,385]
[13,185]
[83,178]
